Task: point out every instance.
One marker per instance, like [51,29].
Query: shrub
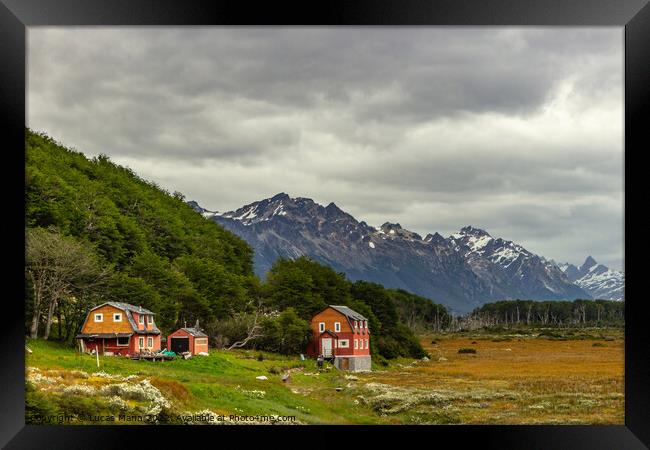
[286,334]
[260,357]
[274,370]
[38,407]
[467,350]
[81,406]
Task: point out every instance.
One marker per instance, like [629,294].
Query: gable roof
[194,332]
[347,312]
[128,310]
[126,307]
[330,332]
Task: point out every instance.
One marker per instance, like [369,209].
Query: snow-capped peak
[597,279]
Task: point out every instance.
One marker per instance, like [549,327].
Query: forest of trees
[97,232]
[547,313]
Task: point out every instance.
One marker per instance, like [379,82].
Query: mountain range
[463,271]
[599,280]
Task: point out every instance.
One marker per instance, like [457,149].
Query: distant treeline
[547,313]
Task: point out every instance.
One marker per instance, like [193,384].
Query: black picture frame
[16,15]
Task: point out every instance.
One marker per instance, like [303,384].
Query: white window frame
[117,317]
[141,319]
[141,342]
[356,324]
[367,346]
[344,343]
[321,326]
[337,326]
[149,342]
[150,319]
[365,324]
[100,316]
[356,344]
[122,337]
[200,341]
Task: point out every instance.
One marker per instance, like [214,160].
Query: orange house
[116,328]
[341,335]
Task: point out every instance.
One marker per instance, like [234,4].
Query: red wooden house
[119,329]
[341,335]
[191,340]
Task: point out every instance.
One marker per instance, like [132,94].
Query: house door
[326,344]
[345,364]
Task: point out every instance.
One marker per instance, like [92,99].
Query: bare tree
[254,329]
[58,266]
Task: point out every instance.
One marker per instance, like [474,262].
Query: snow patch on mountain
[597,279]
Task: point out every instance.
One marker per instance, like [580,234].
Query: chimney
[196,325]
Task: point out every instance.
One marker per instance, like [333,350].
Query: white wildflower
[79,389]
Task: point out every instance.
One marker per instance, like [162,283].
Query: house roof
[195,332]
[349,313]
[103,335]
[330,332]
[128,310]
[127,307]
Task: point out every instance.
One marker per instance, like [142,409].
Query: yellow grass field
[519,381]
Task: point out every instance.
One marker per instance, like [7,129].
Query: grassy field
[533,377]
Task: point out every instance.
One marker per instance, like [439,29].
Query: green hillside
[98,232]
[150,240]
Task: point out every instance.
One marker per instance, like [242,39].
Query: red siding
[135,347]
[110,344]
[330,316]
[194,347]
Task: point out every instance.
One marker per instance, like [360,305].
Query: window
[321,326]
[344,343]
[150,342]
[141,319]
[99,317]
[356,343]
[367,343]
[356,324]
[150,320]
[123,340]
[200,340]
[141,342]
[117,317]
[337,326]
[365,324]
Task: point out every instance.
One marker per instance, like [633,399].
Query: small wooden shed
[186,339]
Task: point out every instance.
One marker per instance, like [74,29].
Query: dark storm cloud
[517,130]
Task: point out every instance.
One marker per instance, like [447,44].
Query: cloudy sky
[515,130]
